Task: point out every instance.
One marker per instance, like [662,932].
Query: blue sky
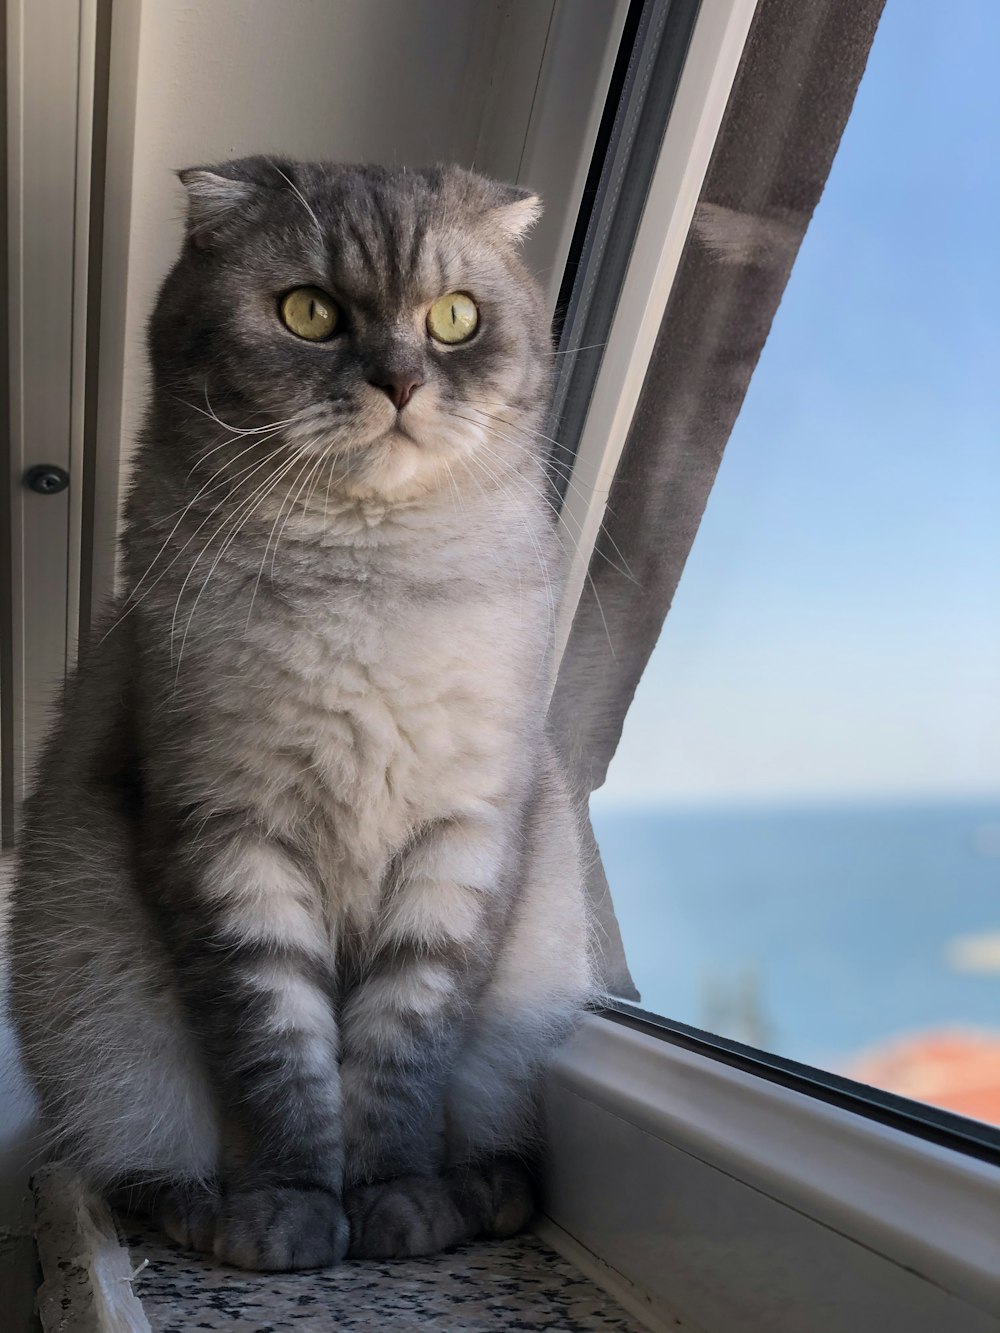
[836,633]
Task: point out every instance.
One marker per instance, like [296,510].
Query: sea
[818,932]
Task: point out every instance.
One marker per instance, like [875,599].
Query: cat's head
[384,315]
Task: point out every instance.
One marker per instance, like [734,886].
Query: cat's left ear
[214,199]
[516,210]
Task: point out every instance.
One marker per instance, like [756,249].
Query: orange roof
[957,1070]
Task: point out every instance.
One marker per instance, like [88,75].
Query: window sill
[103,1280]
[737,1203]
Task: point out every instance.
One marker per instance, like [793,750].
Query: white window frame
[713,57]
[706,1197]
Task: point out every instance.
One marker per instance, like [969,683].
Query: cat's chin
[395,470]
[398,461]
[401,435]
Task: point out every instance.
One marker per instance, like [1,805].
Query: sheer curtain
[791,100]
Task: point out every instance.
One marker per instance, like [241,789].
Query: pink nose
[400,388]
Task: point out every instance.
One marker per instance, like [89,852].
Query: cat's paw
[188,1214]
[280,1228]
[413,1215]
[506,1197]
[396,1219]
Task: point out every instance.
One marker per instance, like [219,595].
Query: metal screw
[46,479]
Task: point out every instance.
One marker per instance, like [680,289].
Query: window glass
[801,826]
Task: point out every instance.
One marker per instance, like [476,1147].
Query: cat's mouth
[394,454]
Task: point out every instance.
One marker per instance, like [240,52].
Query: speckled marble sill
[152,1284]
[518,1284]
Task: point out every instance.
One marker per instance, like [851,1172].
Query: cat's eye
[453,318]
[309,313]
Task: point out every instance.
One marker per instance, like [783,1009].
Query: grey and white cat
[299,915]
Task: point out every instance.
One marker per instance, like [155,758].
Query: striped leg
[253,968]
[404,1021]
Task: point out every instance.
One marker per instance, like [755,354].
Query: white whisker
[303,481]
[625,572]
[593,586]
[267,545]
[299,195]
[129,604]
[253,501]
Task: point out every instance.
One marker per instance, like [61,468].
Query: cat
[299,917]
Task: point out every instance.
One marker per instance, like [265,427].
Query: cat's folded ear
[511,209]
[218,196]
[516,210]
[213,200]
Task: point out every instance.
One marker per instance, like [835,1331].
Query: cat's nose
[400,387]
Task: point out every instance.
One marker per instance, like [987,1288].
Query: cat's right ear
[214,200]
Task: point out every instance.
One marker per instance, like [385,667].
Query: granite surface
[502,1285]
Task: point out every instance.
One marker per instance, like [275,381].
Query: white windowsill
[669,1127]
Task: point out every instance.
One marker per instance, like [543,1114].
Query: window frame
[911,1225]
[710,67]
[947,1129]
[877,1209]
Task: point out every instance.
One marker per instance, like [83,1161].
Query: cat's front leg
[253,970]
[403,1024]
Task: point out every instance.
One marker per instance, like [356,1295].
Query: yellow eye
[452,318]
[309,313]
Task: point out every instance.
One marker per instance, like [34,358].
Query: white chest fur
[370,720]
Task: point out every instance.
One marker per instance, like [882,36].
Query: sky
[836,633]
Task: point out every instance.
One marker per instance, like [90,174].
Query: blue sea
[816,932]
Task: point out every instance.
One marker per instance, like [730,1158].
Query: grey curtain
[791,100]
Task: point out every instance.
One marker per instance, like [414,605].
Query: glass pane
[802,824]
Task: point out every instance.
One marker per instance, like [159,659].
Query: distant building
[956,1070]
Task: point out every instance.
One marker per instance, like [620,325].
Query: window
[725,1184]
[801,826]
